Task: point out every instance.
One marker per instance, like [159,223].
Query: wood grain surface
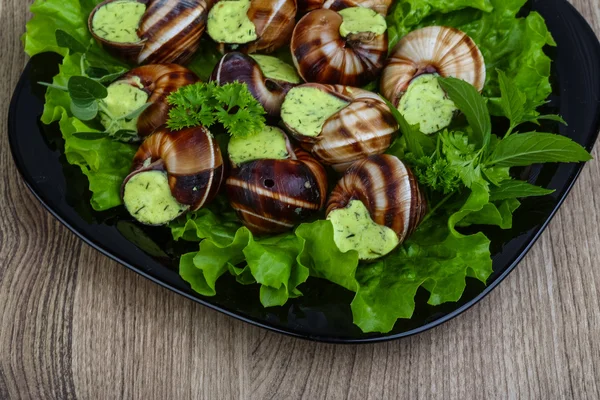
[75,325]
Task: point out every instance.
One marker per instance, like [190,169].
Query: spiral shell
[273,196]
[322,55]
[158,81]
[169,31]
[192,160]
[380,6]
[365,127]
[388,189]
[242,68]
[435,49]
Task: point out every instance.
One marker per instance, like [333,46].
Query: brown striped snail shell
[169,31]
[158,81]
[380,6]
[274,21]
[364,128]
[321,54]
[388,189]
[432,50]
[273,196]
[192,160]
[242,68]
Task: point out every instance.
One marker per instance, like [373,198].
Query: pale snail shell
[380,6]
[158,81]
[322,55]
[192,160]
[388,189]
[274,21]
[435,49]
[169,32]
[363,128]
[273,196]
[242,68]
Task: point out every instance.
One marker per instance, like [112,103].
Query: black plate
[324,312]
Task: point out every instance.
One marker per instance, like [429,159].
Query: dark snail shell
[364,128]
[273,196]
[169,32]
[159,81]
[192,160]
[388,189]
[432,50]
[242,68]
[322,55]
[274,21]
[380,6]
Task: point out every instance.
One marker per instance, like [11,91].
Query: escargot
[252,26]
[417,60]
[348,47]
[268,78]
[380,6]
[274,195]
[150,31]
[173,172]
[146,84]
[376,205]
[338,124]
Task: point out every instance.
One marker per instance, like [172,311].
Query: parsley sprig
[231,105]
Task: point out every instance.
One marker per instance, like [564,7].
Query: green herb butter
[361,20]
[354,229]
[147,197]
[274,68]
[306,109]
[228,22]
[426,104]
[269,144]
[118,21]
[122,100]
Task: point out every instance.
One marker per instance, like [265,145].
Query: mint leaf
[418,144]
[471,103]
[514,189]
[536,147]
[84,91]
[512,100]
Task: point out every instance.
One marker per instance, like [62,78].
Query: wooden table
[77,325]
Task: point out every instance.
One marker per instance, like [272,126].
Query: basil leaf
[471,103]
[418,144]
[514,189]
[84,111]
[512,101]
[536,147]
[89,135]
[63,39]
[83,89]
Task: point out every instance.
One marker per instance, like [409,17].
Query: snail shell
[158,81]
[380,6]
[169,31]
[242,68]
[273,196]
[274,22]
[322,55]
[388,189]
[363,128]
[192,160]
[435,49]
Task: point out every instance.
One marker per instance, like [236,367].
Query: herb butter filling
[354,229]
[274,68]
[269,144]
[306,110]
[147,197]
[228,22]
[361,20]
[426,104]
[123,99]
[118,21]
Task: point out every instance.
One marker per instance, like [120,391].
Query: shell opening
[360,20]
[275,69]
[118,21]
[123,99]
[228,22]
[271,144]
